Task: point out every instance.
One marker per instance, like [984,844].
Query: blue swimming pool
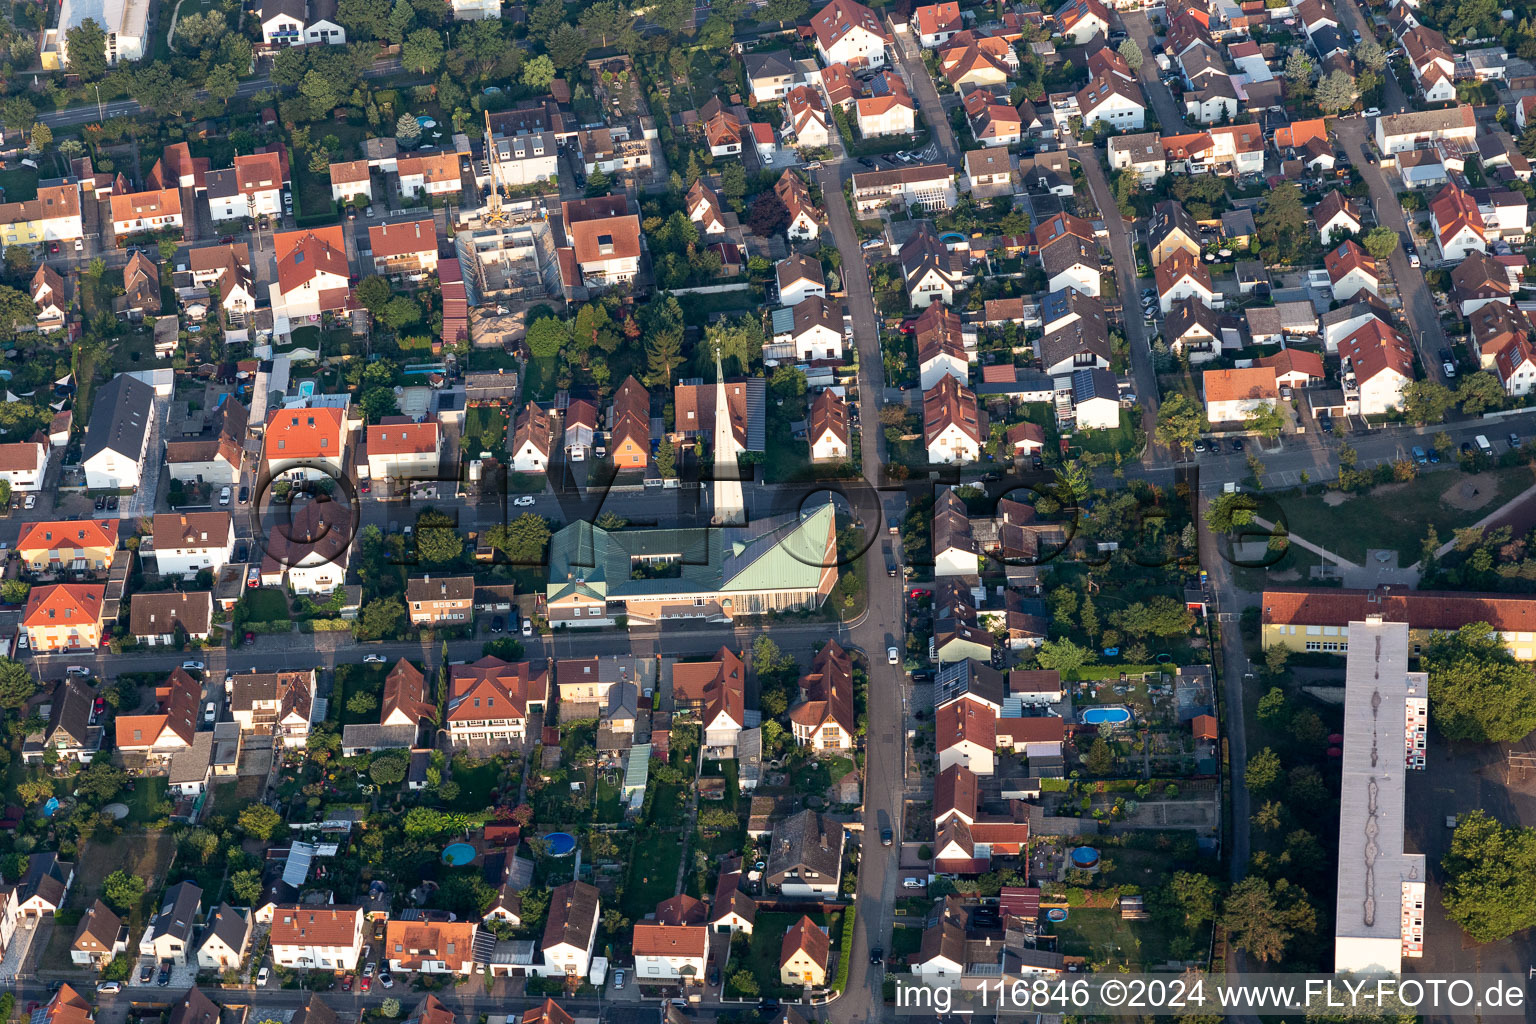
[458,854]
[1113,714]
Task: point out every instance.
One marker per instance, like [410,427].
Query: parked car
[192,666]
[148,971]
[1237,444]
[165,976]
[1449,368]
[911,883]
[886,837]
[250,639]
[497,624]
[366,984]
[386,980]
[245,495]
[368,969]
[523,501]
[1514,440]
[1420,456]
[374,659]
[107,988]
[210,713]
[346,983]
[714,974]
[893,656]
[618,979]
[877,956]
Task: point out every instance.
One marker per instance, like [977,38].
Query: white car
[262,976]
[374,659]
[524,501]
[21,640]
[31,501]
[1371,112]
[192,666]
[893,656]
[109,987]
[224,496]
[911,883]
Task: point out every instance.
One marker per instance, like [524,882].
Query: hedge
[325,626]
[275,626]
[845,950]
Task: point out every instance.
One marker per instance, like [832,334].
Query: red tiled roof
[1420,609]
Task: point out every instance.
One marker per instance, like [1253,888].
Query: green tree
[781,11]
[14,591]
[1335,91]
[373,292]
[1283,221]
[246,885]
[407,131]
[1064,656]
[1490,888]
[260,821]
[1180,422]
[436,539]
[17,113]
[1254,920]
[1188,898]
[101,781]
[39,137]
[122,891]
[1263,770]
[539,72]
[401,312]
[1477,690]
[16,685]
[378,403]
[1272,705]
[666,459]
[1370,55]
[422,51]
[523,540]
[1100,760]
[1267,420]
[200,30]
[87,48]
[387,771]
[1159,616]
[546,336]
[390,1008]
[567,47]
[381,618]
[1226,512]
[362,702]
[1131,51]
[1479,392]
[320,92]
[1380,242]
[1298,66]
[222,83]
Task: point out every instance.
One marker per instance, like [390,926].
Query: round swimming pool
[1056,914]
[1085,857]
[561,844]
[458,854]
[1112,714]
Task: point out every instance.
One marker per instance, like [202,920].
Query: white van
[210,712]
[224,496]
[1483,445]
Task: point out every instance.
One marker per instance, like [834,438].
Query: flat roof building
[1379,915]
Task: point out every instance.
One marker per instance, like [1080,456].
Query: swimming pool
[458,854]
[1112,714]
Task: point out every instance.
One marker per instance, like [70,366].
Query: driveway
[921,84]
[1128,286]
[1169,113]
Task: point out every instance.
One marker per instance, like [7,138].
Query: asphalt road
[1170,115]
[927,95]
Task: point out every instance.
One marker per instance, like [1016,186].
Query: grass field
[652,873]
[485,429]
[1105,939]
[1397,516]
[20,184]
[352,680]
[142,803]
[767,940]
[146,856]
[476,780]
[265,605]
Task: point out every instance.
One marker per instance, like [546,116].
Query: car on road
[1420,456]
[1514,440]
[245,495]
[1449,368]
[618,979]
[1237,444]
[192,666]
[108,988]
[1445,356]
[262,976]
[877,956]
[524,501]
[374,659]
[886,837]
[365,985]
[368,969]
[1199,447]
[497,624]
[893,656]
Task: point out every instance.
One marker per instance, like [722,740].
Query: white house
[888,110]
[1335,216]
[531,440]
[1376,363]
[1113,101]
[1458,223]
[1351,270]
[849,33]
[300,23]
[818,329]
[1231,395]
[670,953]
[965,733]
[23,465]
[936,23]
[955,551]
[827,430]
[118,435]
[1183,276]
[1515,363]
[807,118]
[1095,399]
[951,427]
[433,173]
[404,451]
[253,187]
[1081,20]
[799,278]
[225,937]
[570,930]
[168,936]
[324,938]
[185,543]
[1398,132]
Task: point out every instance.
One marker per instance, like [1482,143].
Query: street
[1170,116]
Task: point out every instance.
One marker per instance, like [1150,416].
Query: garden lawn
[1393,516]
[481,424]
[20,184]
[767,940]
[265,605]
[653,866]
[904,942]
[610,808]
[355,679]
[1122,439]
[1100,935]
[666,804]
[147,792]
[476,780]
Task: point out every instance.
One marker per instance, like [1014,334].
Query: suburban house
[429,174]
[732,910]
[714,691]
[277,703]
[309,553]
[800,277]
[325,938]
[489,701]
[1095,396]
[531,440]
[226,935]
[300,23]
[170,727]
[824,719]
[951,423]
[404,451]
[51,295]
[431,946]
[252,188]
[1351,270]
[405,249]
[943,346]
[928,187]
[1458,223]
[43,887]
[117,436]
[1231,395]
[935,23]
[163,619]
[63,616]
[807,117]
[313,275]
[827,430]
[804,955]
[932,271]
[770,75]
[804,217]
[1183,276]
[603,243]
[571,929]
[73,545]
[168,936]
[675,953]
[1081,20]
[351,180]
[1376,363]
[849,33]
[1335,216]
[444,601]
[1114,101]
[100,937]
[965,733]
[137,213]
[1479,280]
[805,856]
[704,209]
[889,109]
[955,552]
[186,543]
